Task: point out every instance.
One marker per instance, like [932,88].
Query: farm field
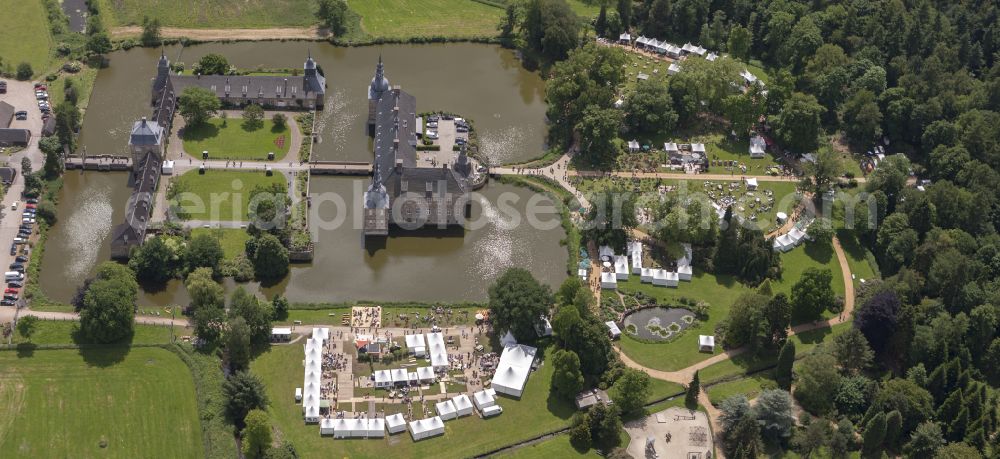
[536,413]
[24,32]
[108,403]
[426,18]
[209,13]
[215,190]
[233,141]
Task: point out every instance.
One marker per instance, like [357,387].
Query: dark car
[17,266]
[21,259]
[10,298]
[32,201]
[7,302]
[15,284]
[13,249]
[21,115]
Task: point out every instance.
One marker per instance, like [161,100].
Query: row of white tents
[401,377]
[663,47]
[420,429]
[312,380]
[659,277]
[792,238]
[429,345]
[353,428]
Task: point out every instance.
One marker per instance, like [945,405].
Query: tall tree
[197,105]
[852,351]
[238,344]
[817,380]
[256,435]
[244,391]
[333,15]
[204,251]
[783,369]
[212,64]
[812,294]
[567,381]
[774,412]
[270,259]
[630,390]
[108,312]
[798,123]
[874,435]
[691,395]
[861,118]
[517,302]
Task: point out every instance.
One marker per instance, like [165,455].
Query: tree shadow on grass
[820,253]
[26,350]
[102,355]
[815,336]
[248,126]
[199,132]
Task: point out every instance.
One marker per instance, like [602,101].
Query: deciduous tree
[567,381]
[197,105]
[517,302]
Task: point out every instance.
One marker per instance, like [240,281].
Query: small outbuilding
[281,334]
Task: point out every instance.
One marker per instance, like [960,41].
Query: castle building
[402,193]
[270,91]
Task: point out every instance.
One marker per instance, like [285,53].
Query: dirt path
[277,33]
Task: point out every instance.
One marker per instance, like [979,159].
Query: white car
[432,135]
[432,124]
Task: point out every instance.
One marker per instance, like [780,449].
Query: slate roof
[137,214]
[14,136]
[145,133]
[6,114]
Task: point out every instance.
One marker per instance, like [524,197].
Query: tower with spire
[378,87]
[162,76]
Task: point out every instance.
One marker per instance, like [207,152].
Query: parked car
[432,124]
[459,141]
[433,118]
[11,290]
[15,284]
[461,129]
[30,206]
[21,259]
[447,117]
[21,115]
[432,135]
[13,249]
[10,297]
[39,85]
[7,302]
[32,201]
[16,266]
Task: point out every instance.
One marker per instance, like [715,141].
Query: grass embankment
[198,14]
[234,140]
[218,195]
[84,83]
[719,292]
[403,19]
[233,240]
[25,35]
[536,413]
[107,402]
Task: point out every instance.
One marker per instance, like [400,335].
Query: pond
[484,83]
[657,324]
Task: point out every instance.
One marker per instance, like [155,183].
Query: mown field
[108,403]
[426,18]
[233,240]
[210,13]
[24,35]
[220,195]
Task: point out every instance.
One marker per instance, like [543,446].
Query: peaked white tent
[425,374]
[635,252]
[508,339]
[483,399]
[673,69]
[609,281]
[426,428]
[463,406]
[399,376]
[757,147]
[395,423]
[646,275]
[621,267]
[383,378]
[326,427]
[415,344]
[375,428]
[513,369]
[706,343]
[446,410]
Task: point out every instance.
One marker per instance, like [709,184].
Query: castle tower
[162,75]
[314,83]
[376,211]
[378,87]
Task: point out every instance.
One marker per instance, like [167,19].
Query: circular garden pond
[658,324]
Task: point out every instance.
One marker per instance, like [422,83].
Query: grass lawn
[750,386]
[138,402]
[236,142]
[587,9]
[24,32]
[808,255]
[857,257]
[219,195]
[210,13]
[535,413]
[233,240]
[427,18]
[67,332]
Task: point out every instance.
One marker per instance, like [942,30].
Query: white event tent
[426,428]
[513,369]
[446,410]
[415,344]
[463,406]
[483,399]
[395,423]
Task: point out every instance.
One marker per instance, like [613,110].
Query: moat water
[484,83]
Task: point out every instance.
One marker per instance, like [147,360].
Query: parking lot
[446,133]
[21,95]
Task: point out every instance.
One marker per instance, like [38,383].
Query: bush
[72,67]
[24,71]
